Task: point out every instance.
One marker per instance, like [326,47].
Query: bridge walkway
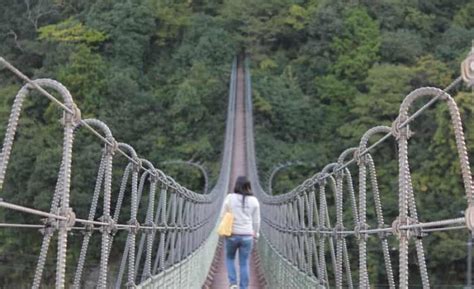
[239,167]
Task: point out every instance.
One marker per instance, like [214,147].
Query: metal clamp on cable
[50,226]
[317,232]
[321,179]
[76,117]
[137,165]
[337,232]
[338,171]
[73,118]
[112,147]
[149,227]
[131,285]
[88,229]
[397,130]
[135,226]
[399,231]
[360,160]
[154,177]
[326,232]
[396,227]
[416,232]
[357,231]
[70,218]
[469,218]
[302,231]
[111,227]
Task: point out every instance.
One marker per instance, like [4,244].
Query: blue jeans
[244,244]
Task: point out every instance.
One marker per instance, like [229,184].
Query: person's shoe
[233,287]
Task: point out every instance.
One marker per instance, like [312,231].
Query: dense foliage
[156,71]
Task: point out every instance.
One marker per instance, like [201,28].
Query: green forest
[157,72]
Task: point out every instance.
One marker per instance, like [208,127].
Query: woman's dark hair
[243,187]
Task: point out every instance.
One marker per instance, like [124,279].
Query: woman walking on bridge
[245,228]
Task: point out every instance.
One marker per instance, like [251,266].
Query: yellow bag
[225,227]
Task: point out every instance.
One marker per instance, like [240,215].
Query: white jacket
[246,219]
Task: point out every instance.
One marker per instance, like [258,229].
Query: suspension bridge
[305,241]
